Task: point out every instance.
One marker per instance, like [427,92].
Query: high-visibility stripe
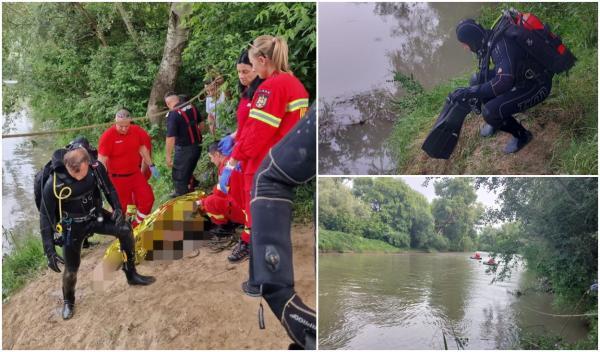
[267,118]
[297,104]
[216,216]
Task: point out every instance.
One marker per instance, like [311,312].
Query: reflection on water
[21,158]
[361,46]
[411,301]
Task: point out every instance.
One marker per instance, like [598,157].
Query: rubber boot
[133,278]
[521,137]
[69,282]
[487,130]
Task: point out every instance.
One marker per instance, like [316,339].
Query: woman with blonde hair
[278,103]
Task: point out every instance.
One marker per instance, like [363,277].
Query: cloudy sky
[416,182]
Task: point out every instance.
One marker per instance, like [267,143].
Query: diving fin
[442,139]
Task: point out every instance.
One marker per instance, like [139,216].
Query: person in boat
[476,256]
[491,261]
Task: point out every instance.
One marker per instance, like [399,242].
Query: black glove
[117,216]
[465,94]
[53,260]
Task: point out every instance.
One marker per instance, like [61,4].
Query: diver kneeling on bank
[71,208]
[526,56]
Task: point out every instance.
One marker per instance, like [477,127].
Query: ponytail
[273,48]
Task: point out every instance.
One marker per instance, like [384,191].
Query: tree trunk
[125,17]
[170,63]
[93,24]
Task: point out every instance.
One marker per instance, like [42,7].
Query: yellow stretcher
[174,228]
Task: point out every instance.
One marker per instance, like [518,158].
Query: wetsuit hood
[471,33]
[57,160]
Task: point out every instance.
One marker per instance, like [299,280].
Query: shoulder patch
[263,97]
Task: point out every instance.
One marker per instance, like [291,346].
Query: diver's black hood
[471,33]
[57,160]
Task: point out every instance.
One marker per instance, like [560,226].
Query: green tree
[401,216]
[456,212]
[557,232]
[339,210]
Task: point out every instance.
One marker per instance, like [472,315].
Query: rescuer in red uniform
[278,104]
[222,208]
[121,148]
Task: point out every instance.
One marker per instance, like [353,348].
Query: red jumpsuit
[123,167]
[279,102]
[148,143]
[221,207]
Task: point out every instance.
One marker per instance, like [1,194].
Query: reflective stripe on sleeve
[267,118]
[297,104]
[215,216]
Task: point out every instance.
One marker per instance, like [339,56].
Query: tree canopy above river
[77,63]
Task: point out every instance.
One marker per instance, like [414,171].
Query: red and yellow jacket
[279,102]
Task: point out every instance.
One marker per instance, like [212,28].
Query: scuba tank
[533,36]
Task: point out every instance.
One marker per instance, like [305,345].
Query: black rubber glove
[53,260]
[117,216]
[465,94]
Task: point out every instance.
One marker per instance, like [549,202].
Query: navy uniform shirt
[185,132]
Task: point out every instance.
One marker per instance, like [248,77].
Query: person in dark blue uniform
[71,205]
[183,135]
[516,83]
[290,163]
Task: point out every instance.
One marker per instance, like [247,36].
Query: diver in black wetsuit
[290,163]
[71,205]
[517,83]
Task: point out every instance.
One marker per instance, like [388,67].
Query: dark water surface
[406,301]
[361,46]
[22,157]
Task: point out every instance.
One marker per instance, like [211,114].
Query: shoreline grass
[24,263]
[341,242]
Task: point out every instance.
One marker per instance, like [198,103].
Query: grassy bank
[22,264]
[564,125]
[334,241]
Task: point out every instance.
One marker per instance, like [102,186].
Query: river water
[22,157]
[406,301]
[361,46]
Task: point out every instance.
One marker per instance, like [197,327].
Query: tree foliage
[557,229]
[77,63]
[456,212]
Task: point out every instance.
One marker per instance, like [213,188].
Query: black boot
[68,310]
[239,252]
[250,289]
[69,282]
[133,278]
